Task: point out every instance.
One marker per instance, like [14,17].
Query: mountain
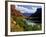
[15,12]
[18,13]
[37,14]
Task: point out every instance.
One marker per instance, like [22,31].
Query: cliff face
[15,27]
[14,11]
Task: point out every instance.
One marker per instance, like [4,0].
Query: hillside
[20,23]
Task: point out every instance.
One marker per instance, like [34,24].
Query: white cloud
[26,10]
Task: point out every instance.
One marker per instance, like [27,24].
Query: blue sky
[27,8]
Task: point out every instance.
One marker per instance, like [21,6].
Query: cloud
[26,10]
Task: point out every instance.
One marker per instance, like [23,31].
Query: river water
[29,22]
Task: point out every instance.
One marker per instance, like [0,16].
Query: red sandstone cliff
[14,11]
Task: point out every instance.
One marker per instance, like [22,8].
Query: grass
[18,25]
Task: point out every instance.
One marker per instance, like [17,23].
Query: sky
[27,8]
